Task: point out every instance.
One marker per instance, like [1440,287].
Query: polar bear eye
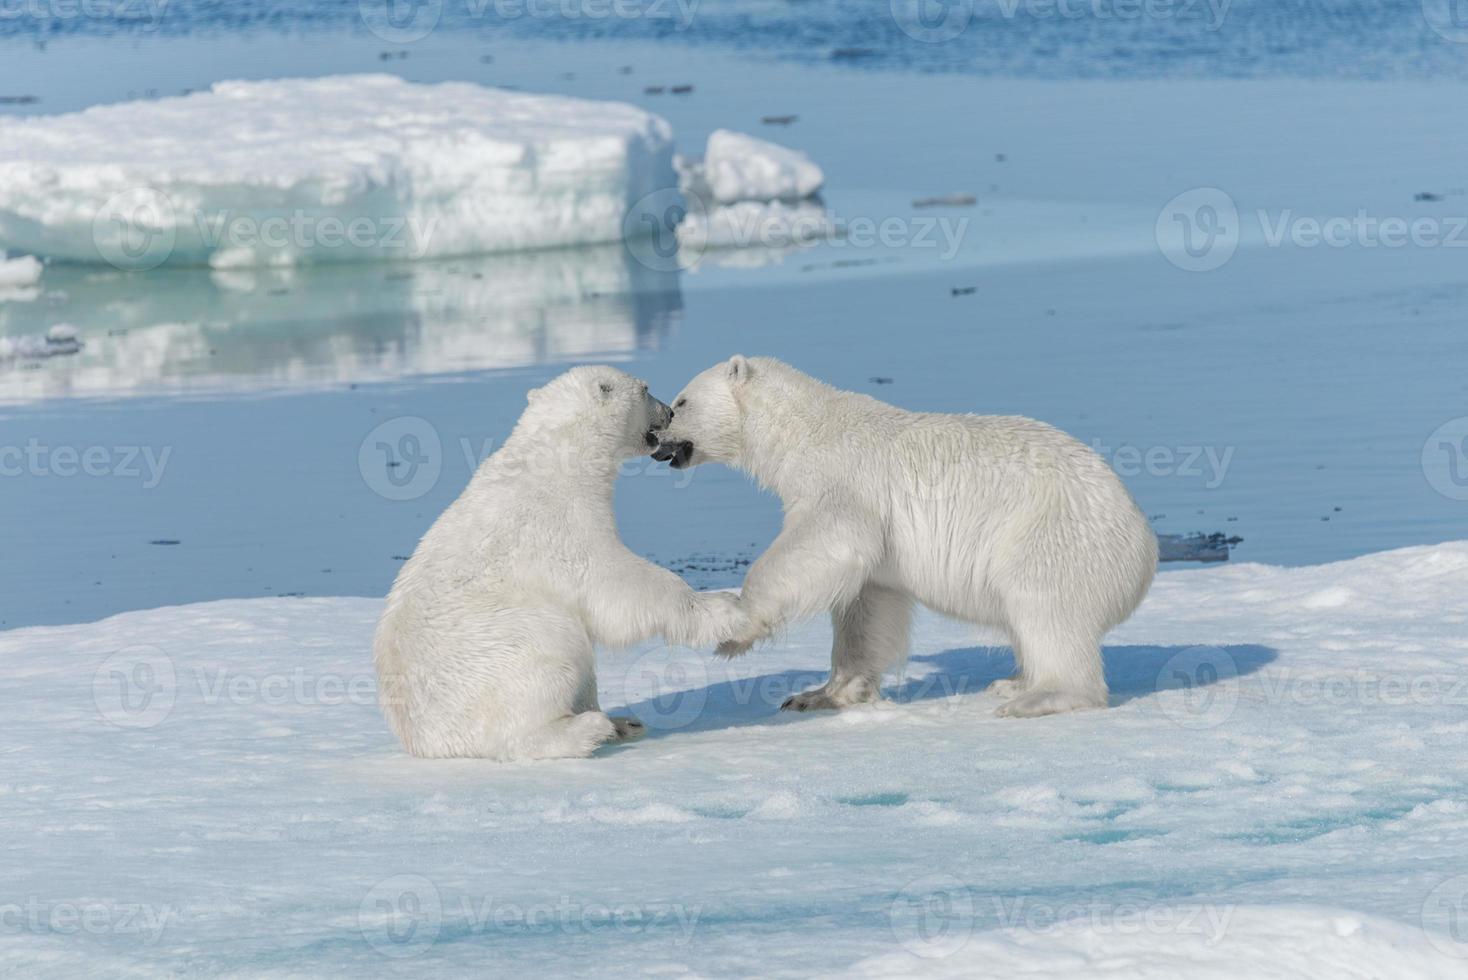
[679,403]
[606,388]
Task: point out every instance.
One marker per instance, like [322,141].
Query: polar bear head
[708,417]
[597,409]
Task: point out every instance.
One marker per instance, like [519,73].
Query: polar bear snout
[659,417]
[676,452]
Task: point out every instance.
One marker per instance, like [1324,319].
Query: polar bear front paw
[724,619]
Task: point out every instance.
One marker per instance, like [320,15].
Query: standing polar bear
[486,645]
[1002,521]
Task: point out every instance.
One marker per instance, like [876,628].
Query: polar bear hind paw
[569,737]
[1049,701]
[1007,687]
[825,698]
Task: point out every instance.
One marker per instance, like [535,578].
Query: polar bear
[998,520]
[485,647]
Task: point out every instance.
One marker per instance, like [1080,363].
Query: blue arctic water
[1016,38]
[270,434]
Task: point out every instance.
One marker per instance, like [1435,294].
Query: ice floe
[738,167]
[20,278]
[63,338]
[1276,790]
[327,169]
[747,192]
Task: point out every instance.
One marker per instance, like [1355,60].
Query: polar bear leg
[1060,668]
[870,635]
[546,705]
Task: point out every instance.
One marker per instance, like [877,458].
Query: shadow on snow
[1132,673]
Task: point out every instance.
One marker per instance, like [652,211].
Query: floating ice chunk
[754,195]
[19,273]
[63,338]
[62,333]
[329,169]
[742,168]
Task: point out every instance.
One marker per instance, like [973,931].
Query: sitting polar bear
[486,645]
[997,520]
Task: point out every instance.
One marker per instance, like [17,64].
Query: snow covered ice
[372,167]
[744,168]
[747,192]
[1276,790]
[19,278]
[330,169]
[63,338]
[19,272]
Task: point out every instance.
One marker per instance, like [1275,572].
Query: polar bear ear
[533,395]
[738,369]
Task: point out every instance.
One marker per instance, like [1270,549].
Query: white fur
[998,520]
[486,645]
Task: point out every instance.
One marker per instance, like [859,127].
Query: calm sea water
[281,433]
[1016,38]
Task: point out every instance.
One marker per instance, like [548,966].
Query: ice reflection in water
[193,331]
